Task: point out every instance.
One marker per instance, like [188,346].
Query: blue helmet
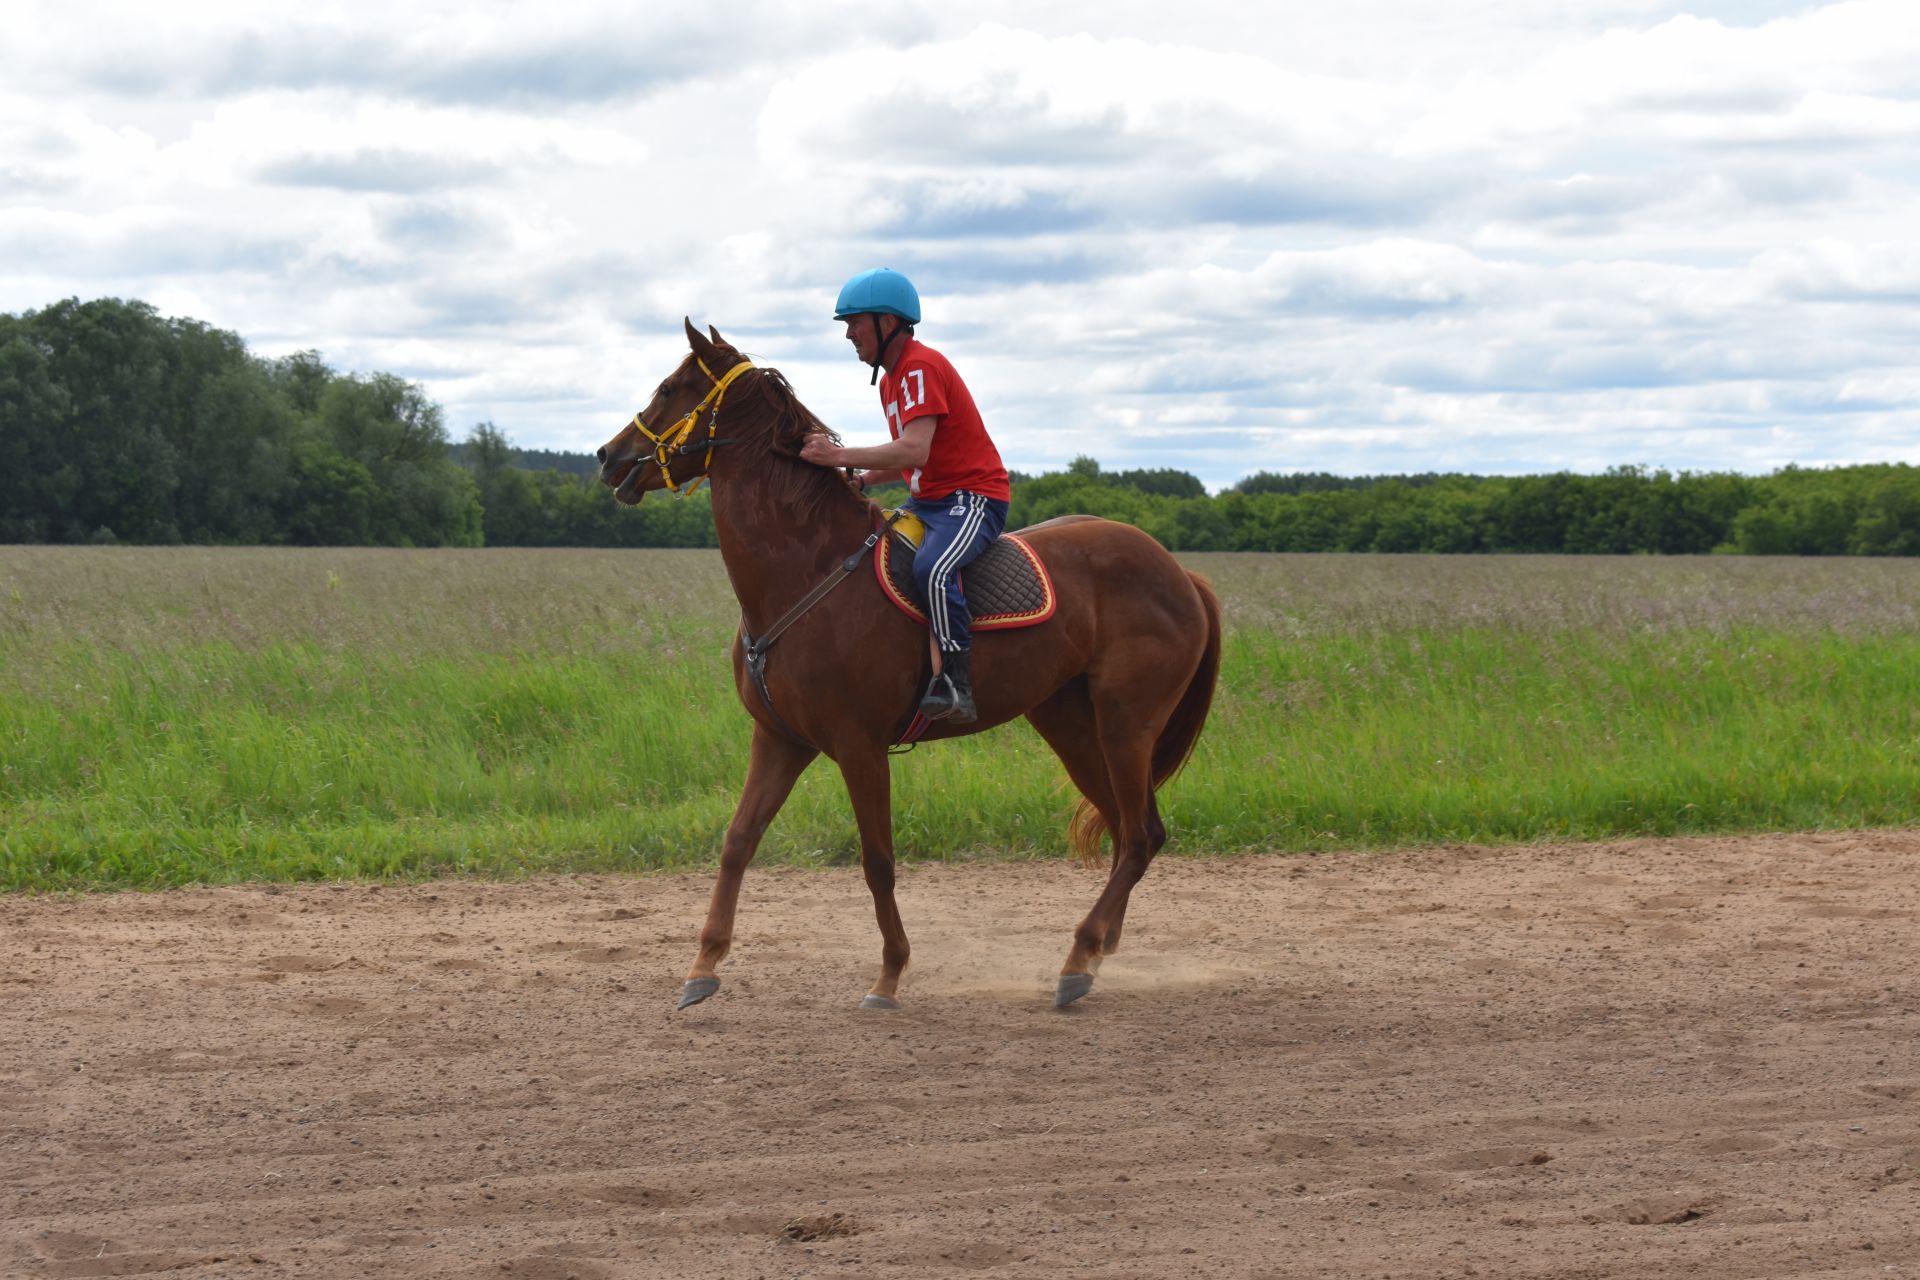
[883,290]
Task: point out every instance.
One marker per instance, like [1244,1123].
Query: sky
[1355,236]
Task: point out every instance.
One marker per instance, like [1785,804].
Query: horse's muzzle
[615,467]
[626,488]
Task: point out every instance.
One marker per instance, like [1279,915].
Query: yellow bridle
[673,441]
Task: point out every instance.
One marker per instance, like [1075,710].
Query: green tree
[110,464]
[1889,519]
[1162,482]
[388,426]
[332,498]
[1801,512]
[228,424]
[33,408]
[302,378]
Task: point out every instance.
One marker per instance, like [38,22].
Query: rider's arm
[904,454]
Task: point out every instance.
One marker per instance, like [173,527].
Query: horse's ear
[718,340]
[698,341]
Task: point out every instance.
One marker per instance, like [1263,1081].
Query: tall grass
[173,716]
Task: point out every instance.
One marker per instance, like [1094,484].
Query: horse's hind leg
[775,765]
[1065,721]
[1156,840]
[870,786]
[1129,760]
[1113,770]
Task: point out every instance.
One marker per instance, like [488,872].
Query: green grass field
[170,716]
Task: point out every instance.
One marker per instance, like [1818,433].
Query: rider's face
[862,332]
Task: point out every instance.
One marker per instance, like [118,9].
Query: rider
[940,447]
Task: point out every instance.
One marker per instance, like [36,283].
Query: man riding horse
[1117,677]
[940,447]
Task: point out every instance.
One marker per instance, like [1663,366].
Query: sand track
[1640,1059]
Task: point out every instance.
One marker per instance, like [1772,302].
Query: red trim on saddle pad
[981,621]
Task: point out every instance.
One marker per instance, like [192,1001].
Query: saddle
[1006,585]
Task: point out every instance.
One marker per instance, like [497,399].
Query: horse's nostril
[601,457]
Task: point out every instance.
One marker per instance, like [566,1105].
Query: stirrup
[946,700]
[939,701]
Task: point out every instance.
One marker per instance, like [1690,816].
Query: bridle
[672,443]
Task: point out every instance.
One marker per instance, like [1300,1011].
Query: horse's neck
[773,553]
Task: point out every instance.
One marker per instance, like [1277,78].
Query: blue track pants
[959,527]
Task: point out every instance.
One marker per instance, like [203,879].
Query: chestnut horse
[1118,681]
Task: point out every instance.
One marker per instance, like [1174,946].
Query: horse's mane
[773,423]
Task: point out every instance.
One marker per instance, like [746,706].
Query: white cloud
[1826,77]
[1830,270]
[375,145]
[1014,97]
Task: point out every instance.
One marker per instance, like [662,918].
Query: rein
[672,443]
[757,649]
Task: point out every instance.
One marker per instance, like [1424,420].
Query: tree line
[1859,510]
[120,425]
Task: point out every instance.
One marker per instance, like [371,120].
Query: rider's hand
[820,451]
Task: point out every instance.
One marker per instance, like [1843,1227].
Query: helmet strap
[880,352]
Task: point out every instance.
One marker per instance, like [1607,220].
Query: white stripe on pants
[944,569]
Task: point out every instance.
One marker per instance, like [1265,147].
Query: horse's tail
[1175,744]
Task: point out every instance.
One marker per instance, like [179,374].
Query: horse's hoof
[696,990]
[879,1002]
[1072,987]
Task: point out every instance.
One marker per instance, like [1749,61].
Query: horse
[1118,681]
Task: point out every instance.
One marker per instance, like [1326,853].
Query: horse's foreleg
[870,786]
[775,765]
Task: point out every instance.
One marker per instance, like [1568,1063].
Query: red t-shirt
[920,384]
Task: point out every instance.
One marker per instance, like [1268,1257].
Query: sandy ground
[1643,1059]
